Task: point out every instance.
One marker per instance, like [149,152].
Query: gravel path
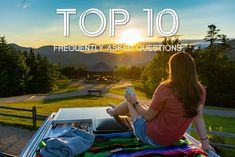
[13,139]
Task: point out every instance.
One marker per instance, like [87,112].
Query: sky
[35,23]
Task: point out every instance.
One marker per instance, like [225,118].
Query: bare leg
[121,109]
[133,112]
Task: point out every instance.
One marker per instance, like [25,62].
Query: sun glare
[130,37]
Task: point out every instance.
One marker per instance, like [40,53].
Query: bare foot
[112,105]
[110,111]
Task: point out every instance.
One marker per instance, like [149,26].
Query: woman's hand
[131,98]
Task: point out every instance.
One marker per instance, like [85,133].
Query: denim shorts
[140,131]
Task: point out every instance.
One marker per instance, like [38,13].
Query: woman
[176,102]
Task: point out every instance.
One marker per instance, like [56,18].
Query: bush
[72,72]
[217,139]
[155,72]
[217,73]
[129,73]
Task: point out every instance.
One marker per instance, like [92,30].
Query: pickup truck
[79,117]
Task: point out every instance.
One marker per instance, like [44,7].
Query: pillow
[107,125]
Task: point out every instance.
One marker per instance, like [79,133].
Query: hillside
[231,52]
[88,59]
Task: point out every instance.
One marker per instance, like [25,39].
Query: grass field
[225,123]
[120,90]
[63,86]
[46,107]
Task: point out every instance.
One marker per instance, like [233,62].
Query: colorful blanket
[132,147]
[127,145]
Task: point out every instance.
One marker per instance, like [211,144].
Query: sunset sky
[34,23]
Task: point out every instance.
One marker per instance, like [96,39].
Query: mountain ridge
[87,59]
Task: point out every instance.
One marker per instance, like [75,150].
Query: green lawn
[216,122]
[227,125]
[69,88]
[63,86]
[46,107]
[60,84]
[101,85]
[121,91]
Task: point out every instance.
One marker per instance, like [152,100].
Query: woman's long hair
[183,80]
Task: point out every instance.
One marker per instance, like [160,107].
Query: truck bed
[81,118]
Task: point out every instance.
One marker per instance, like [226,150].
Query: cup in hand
[129,90]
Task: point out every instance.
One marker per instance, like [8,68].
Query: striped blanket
[133,147]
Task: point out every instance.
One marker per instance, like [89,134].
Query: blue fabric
[115,135]
[140,131]
[68,144]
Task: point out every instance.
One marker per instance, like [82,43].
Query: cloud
[25,5]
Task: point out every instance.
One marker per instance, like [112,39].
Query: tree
[14,70]
[224,40]
[42,74]
[132,72]
[156,71]
[69,71]
[189,49]
[22,72]
[170,41]
[217,72]
[212,34]
[73,72]
[81,72]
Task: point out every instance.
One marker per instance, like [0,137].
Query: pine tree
[212,34]
[23,72]
[13,72]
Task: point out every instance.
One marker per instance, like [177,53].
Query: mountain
[19,48]
[88,59]
[124,59]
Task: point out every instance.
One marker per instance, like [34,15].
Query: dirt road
[14,139]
